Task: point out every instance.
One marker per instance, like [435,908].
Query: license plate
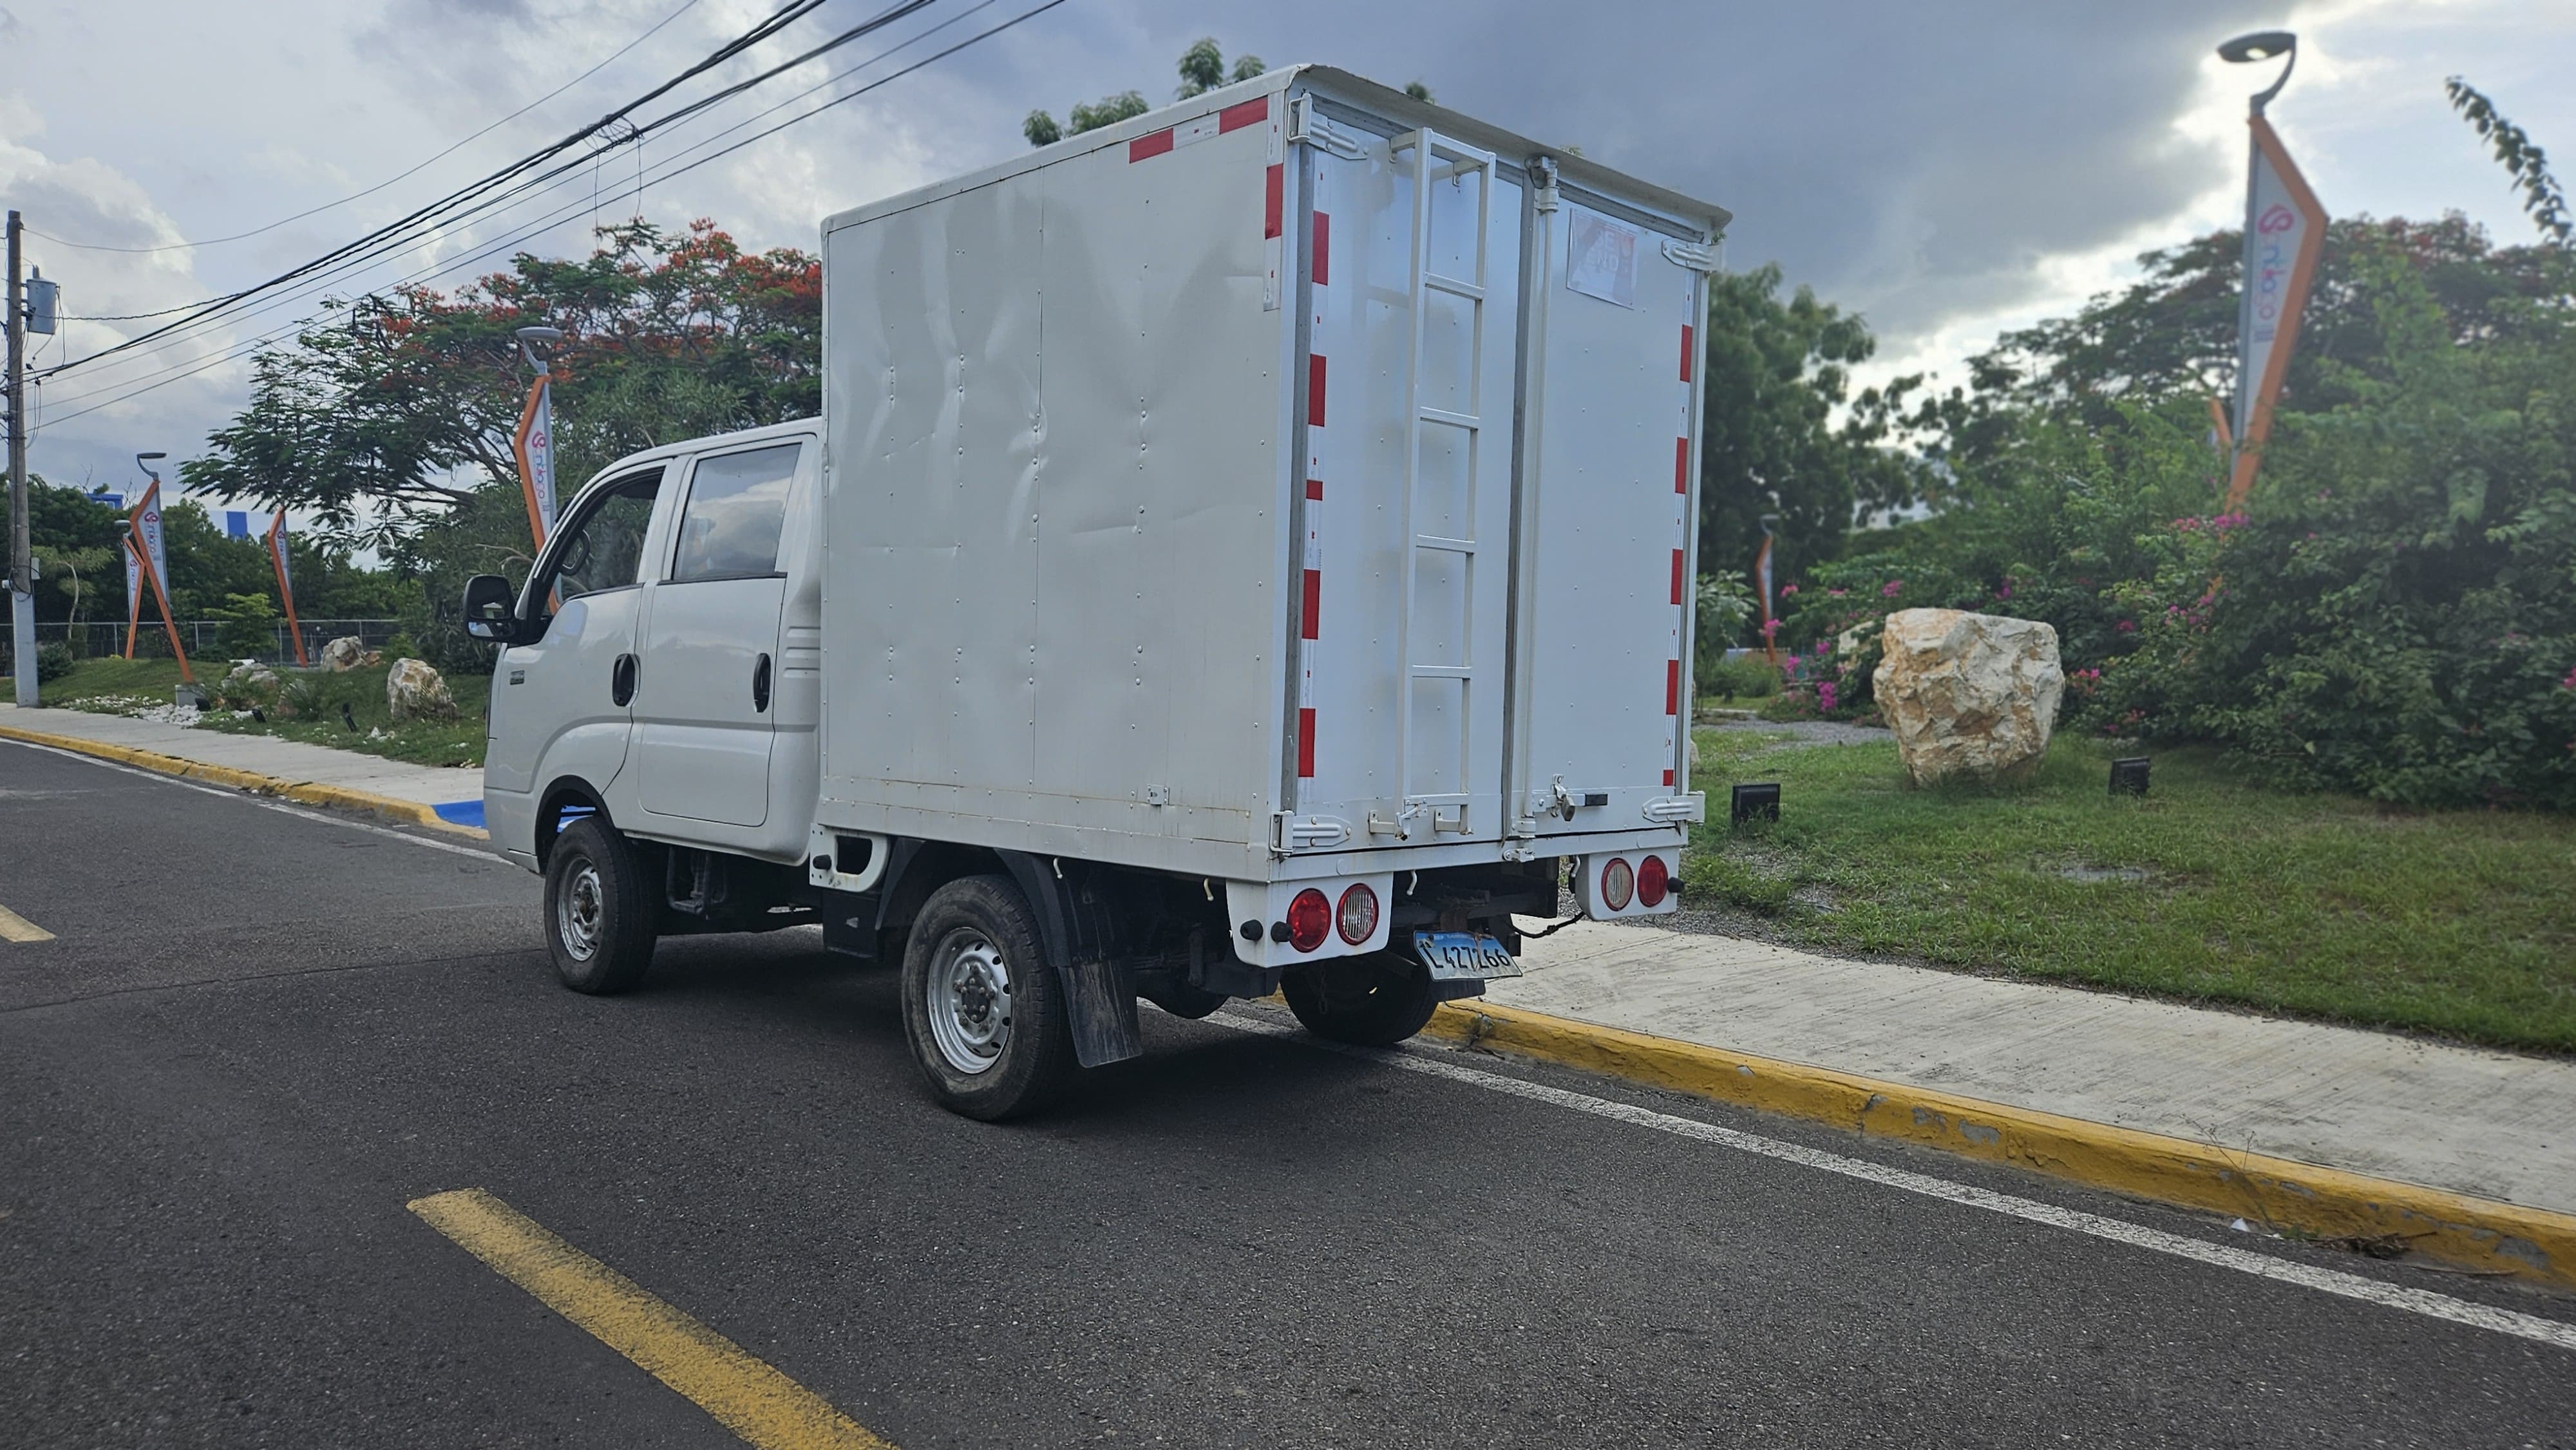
[1455,956]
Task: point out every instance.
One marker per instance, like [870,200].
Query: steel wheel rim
[579,912]
[968,997]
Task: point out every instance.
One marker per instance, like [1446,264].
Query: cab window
[737,506]
[602,547]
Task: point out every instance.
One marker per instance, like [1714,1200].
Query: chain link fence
[204,639]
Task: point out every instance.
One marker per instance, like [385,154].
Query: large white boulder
[345,653]
[413,691]
[1969,696]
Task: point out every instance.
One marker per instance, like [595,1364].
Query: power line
[776,22]
[393,238]
[124,391]
[684,9]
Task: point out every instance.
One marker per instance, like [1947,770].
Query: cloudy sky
[1948,170]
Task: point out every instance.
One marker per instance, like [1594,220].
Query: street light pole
[2285,233]
[22,573]
[2262,45]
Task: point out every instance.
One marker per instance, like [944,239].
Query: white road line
[2244,1261]
[261,802]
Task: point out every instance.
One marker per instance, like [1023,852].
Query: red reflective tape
[1315,390]
[1243,113]
[1686,366]
[1314,488]
[1668,777]
[1677,576]
[1154,145]
[1313,605]
[1681,465]
[1672,687]
[1270,201]
[1323,249]
[1306,742]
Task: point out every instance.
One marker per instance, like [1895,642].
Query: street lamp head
[529,337]
[2263,45]
[145,461]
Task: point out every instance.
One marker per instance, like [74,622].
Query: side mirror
[488,609]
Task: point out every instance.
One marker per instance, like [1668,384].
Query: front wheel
[599,913]
[1377,1000]
[984,1011]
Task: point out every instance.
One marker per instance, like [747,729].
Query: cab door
[561,698]
[703,718]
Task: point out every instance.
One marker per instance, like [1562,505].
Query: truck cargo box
[1298,482]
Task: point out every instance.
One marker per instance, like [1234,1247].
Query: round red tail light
[1357,918]
[1310,916]
[1618,883]
[1652,880]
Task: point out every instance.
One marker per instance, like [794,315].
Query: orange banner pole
[527,475]
[161,595]
[285,590]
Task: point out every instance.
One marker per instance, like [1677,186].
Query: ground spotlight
[1756,803]
[2129,775]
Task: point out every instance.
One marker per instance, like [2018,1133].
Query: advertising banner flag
[2285,230]
[143,526]
[143,544]
[1762,586]
[285,583]
[535,445]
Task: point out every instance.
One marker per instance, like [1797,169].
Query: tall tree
[1202,69]
[1784,436]
[407,403]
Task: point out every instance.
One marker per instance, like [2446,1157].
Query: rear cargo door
[1604,531]
[1413,283]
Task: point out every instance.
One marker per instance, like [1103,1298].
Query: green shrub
[400,647]
[1745,678]
[54,661]
[250,626]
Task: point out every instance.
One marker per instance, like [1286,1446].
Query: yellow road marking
[14,927]
[745,1395]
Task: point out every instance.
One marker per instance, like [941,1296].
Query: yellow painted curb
[2297,1198]
[409,813]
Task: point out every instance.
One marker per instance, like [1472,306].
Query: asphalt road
[259,1033]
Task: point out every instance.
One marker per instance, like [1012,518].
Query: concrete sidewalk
[286,760]
[2488,1124]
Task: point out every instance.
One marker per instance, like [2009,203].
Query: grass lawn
[2456,922]
[120,686]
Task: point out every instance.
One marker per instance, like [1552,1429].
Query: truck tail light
[1618,883]
[1652,881]
[1358,914]
[1310,917]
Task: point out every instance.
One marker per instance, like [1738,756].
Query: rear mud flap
[1100,1005]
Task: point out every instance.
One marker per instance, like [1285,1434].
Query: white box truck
[1246,548]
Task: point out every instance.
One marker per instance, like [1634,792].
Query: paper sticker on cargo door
[1601,258]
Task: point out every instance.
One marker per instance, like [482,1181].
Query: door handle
[760,686]
[621,679]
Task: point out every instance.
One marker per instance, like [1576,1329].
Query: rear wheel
[1376,1001]
[599,913]
[983,1009]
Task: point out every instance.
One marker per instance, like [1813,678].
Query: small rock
[414,691]
[248,687]
[1971,696]
[345,653]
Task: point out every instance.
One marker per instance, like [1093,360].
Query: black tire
[989,1054]
[599,910]
[1377,1000]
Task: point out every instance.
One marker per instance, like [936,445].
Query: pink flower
[1836,593]
[1825,694]
[1788,589]
[2130,626]
[1770,627]
[2006,591]
[1891,589]
[2568,683]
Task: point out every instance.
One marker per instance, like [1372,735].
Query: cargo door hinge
[1306,128]
[1693,255]
[1292,832]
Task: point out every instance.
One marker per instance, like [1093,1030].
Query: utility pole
[22,572]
